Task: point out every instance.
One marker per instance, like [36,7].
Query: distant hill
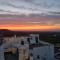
[6,32]
[9,33]
[3,30]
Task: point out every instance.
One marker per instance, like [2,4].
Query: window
[36,39]
[22,42]
[31,54]
[38,57]
[24,51]
[27,59]
[28,39]
[44,58]
[31,48]
[1,41]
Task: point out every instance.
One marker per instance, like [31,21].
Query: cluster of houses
[29,47]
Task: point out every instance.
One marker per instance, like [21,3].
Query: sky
[30,15]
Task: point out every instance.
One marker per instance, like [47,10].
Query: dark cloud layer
[33,11]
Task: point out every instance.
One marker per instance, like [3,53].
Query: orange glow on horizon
[31,27]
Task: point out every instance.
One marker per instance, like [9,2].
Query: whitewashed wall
[43,51]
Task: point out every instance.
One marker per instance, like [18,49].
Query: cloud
[43,12]
[32,8]
[29,1]
[55,13]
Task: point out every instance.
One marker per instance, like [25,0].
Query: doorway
[11,56]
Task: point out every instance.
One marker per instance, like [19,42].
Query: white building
[30,48]
[40,50]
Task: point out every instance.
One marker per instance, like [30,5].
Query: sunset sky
[30,15]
